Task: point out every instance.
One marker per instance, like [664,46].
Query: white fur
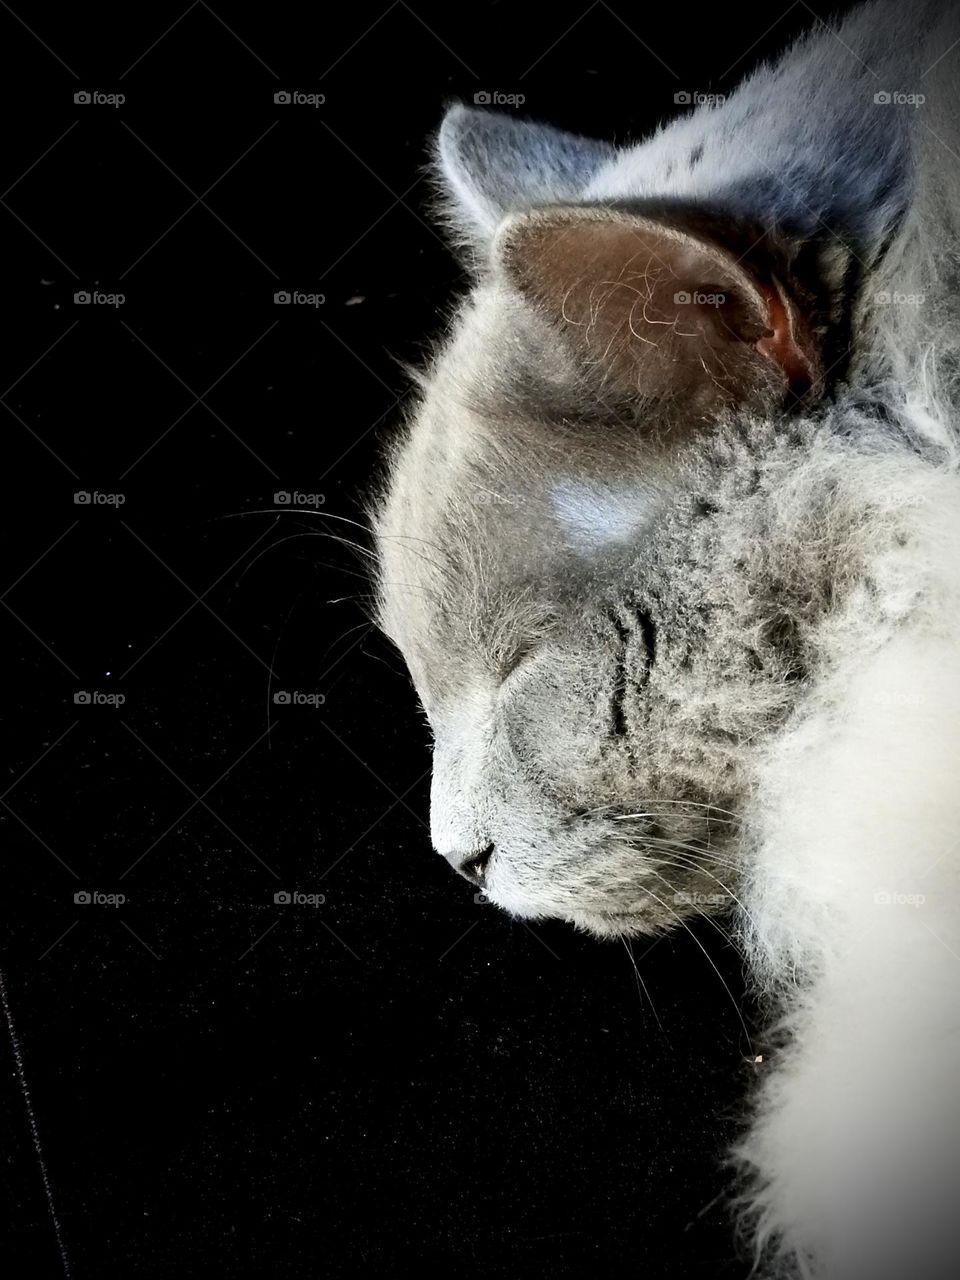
[852,910]
[595,516]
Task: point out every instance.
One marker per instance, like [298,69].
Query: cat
[670,545]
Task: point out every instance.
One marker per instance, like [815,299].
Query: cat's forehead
[496,516]
[465,560]
[484,547]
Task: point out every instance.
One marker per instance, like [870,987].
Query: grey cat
[671,547]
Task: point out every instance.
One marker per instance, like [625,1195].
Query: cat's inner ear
[666,312]
[488,163]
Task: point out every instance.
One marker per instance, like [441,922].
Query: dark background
[203,1081]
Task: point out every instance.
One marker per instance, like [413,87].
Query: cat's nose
[474,866]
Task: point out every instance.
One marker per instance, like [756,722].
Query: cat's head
[578,541]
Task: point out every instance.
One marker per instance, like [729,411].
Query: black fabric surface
[202,1080]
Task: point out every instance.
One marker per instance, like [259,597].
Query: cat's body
[672,550]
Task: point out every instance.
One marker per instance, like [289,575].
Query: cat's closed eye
[648,630]
[634,634]
[513,660]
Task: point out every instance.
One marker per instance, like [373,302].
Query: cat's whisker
[367,552]
[654,813]
[711,920]
[696,804]
[641,985]
[321,515]
[340,639]
[416,586]
[295,510]
[599,808]
[683,924]
[698,849]
[293,537]
[694,848]
[683,866]
[692,851]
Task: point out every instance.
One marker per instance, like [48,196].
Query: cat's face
[595,666]
[588,590]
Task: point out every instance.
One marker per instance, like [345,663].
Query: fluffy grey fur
[684,619]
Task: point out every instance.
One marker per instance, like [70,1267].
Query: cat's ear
[665,306]
[488,164]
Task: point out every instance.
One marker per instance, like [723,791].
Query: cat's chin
[626,924]
[613,923]
[644,920]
